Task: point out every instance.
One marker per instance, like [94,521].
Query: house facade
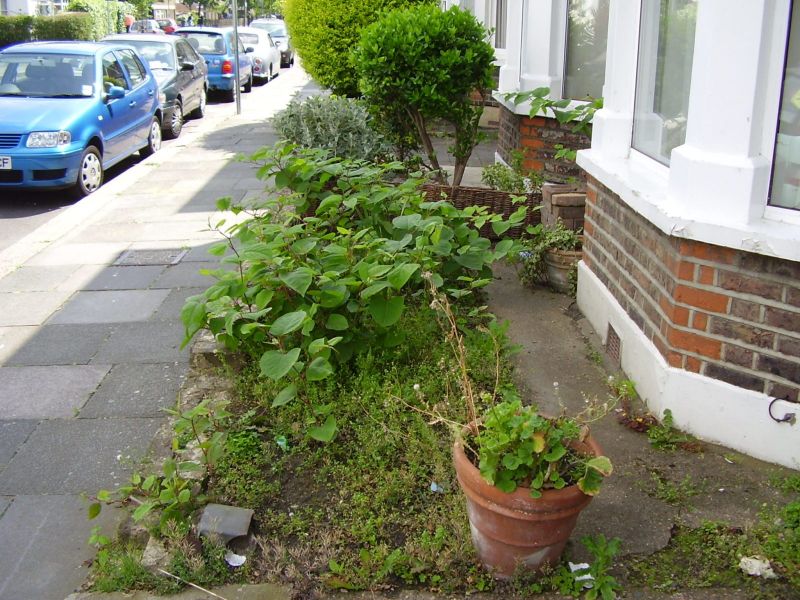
[691,270]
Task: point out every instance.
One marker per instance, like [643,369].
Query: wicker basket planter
[496,201]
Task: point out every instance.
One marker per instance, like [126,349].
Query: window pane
[500,24]
[586,48]
[785,190]
[664,73]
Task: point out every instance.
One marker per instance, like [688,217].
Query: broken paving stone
[224,522]
[155,554]
[757,566]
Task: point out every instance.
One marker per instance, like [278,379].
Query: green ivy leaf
[386,312]
[288,323]
[276,364]
[325,432]
[285,396]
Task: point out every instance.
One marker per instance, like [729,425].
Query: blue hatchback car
[216,46]
[70,110]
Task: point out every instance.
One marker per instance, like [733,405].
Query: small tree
[428,64]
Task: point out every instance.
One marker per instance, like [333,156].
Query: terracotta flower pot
[513,529]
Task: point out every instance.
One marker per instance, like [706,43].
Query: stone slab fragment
[29,308]
[43,546]
[12,435]
[224,522]
[60,345]
[50,392]
[124,278]
[136,390]
[37,279]
[149,342]
[117,306]
[78,456]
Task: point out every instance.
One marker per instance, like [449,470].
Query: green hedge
[66,26]
[15,29]
[107,17]
[324,32]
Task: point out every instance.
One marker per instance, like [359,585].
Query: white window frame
[716,187]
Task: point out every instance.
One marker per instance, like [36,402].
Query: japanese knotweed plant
[325,265]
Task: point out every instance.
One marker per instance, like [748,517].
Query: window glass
[136,70]
[785,189]
[664,72]
[113,73]
[587,36]
[249,38]
[500,24]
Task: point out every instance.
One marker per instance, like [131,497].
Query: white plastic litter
[757,566]
[586,578]
[234,560]
[435,487]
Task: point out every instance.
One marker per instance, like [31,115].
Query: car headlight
[48,139]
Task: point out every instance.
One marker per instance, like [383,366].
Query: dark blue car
[70,110]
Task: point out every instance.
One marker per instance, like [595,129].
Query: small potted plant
[526,476]
[551,255]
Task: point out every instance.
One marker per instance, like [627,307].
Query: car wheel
[248,86]
[153,139]
[200,111]
[90,172]
[176,123]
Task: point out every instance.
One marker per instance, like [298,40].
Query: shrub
[335,123]
[15,29]
[107,17]
[66,26]
[324,32]
[428,63]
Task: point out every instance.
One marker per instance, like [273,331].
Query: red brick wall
[538,137]
[726,314]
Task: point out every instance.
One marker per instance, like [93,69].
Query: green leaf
[386,312]
[275,364]
[474,259]
[336,322]
[94,510]
[143,510]
[602,464]
[304,245]
[184,496]
[288,323]
[374,289]
[319,369]
[299,280]
[285,396]
[325,432]
[400,275]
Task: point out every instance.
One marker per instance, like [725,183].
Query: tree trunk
[419,123]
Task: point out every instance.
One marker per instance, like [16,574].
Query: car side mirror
[249,49]
[114,92]
[187,66]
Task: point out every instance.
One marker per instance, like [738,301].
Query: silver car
[266,55]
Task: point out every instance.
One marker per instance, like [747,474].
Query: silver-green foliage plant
[512,178]
[306,292]
[336,123]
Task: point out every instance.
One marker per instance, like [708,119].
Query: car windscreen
[159,55]
[207,42]
[274,29]
[46,75]
[249,38]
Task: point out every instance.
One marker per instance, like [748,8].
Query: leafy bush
[66,26]
[512,178]
[427,63]
[540,238]
[324,32]
[335,123]
[306,293]
[107,17]
[15,29]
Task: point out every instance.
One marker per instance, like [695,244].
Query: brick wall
[538,137]
[726,314]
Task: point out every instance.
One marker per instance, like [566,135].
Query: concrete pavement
[90,336]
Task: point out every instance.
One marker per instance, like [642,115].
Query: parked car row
[71,110]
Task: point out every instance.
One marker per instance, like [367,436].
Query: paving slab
[135,390]
[187,274]
[180,229]
[113,306]
[79,253]
[29,308]
[171,308]
[125,278]
[146,342]
[14,338]
[45,546]
[37,279]
[12,435]
[60,345]
[47,392]
[5,502]
[78,455]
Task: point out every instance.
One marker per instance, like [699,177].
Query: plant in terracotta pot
[526,476]
[550,256]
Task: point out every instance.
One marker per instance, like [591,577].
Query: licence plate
[5,162]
